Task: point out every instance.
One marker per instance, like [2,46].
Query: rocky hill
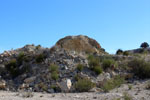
[74,64]
[47,69]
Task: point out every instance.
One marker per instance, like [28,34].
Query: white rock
[65,85]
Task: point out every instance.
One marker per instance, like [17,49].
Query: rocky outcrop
[29,68]
[80,44]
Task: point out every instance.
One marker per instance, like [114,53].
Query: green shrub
[43,86]
[125,53]
[94,63]
[140,68]
[109,64]
[98,70]
[83,85]
[54,71]
[112,83]
[20,58]
[39,58]
[119,52]
[53,68]
[77,77]
[144,45]
[38,46]
[12,67]
[130,87]
[55,75]
[80,67]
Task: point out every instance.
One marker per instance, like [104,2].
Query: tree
[144,45]
[119,51]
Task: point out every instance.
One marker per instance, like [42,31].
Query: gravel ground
[137,91]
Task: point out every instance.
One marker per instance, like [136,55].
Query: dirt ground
[136,91]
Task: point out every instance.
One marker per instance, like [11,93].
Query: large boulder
[80,44]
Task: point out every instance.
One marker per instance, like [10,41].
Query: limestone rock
[65,85]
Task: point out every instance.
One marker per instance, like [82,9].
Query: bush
[112,83]
[140,68]
[80,67]
[54,75]
[53,68]
[108,63]
[144,45]
[94,63]
[12,67]
[98,70]
[39,58]
[77,77]
[20,58]
[54,72]
[119,52]
[125,53]
[38,47]
[43,86]
[83,85]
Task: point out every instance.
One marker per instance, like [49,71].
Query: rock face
[80,44]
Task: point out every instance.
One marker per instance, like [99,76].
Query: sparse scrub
[112,83]
[94,63]
[12,67]
[54,71]
[109,64]
[98,70]
[130,87]
[55,75]
[80,67]
[20,58]
[43,86]
[38,47]
[125,53]
[83,85]
[53,68]
[77,77]
[39,58]
[140,68]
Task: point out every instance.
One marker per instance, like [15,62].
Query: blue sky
[114,24]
